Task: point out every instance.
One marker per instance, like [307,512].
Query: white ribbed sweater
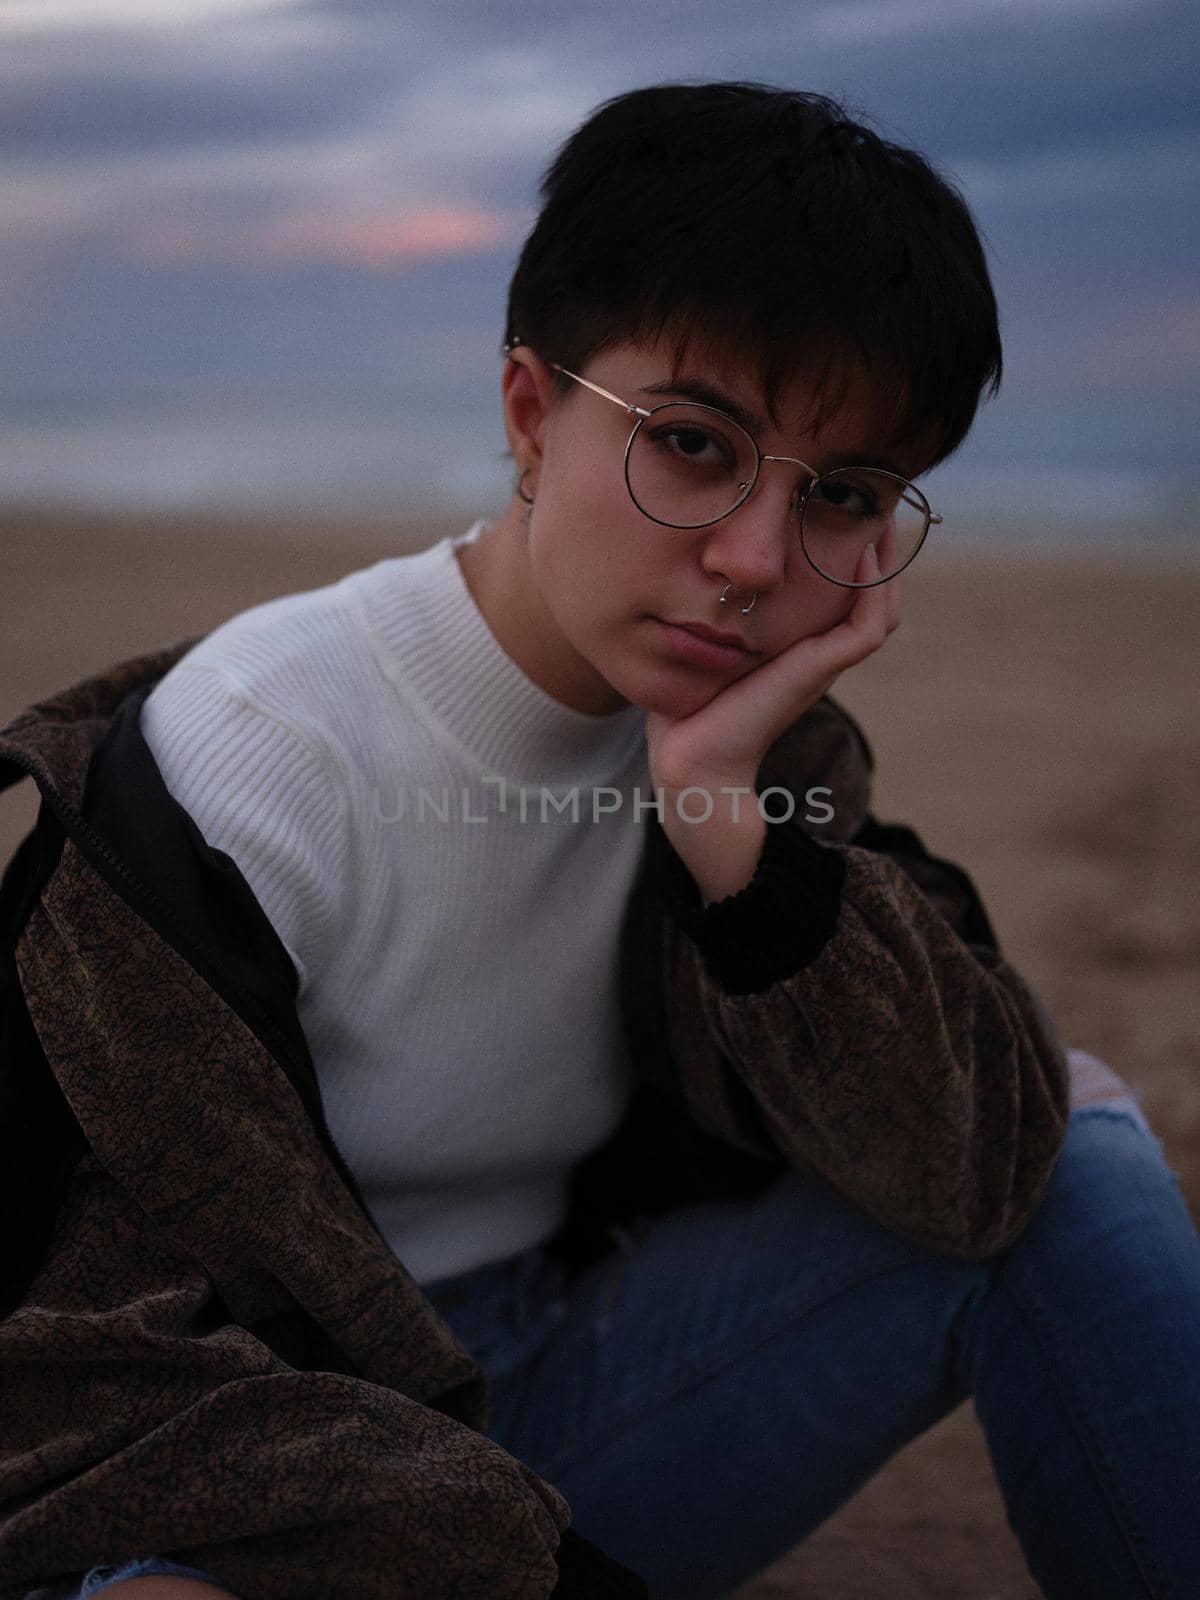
[457,976]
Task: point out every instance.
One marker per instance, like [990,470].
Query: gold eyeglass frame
[919,503]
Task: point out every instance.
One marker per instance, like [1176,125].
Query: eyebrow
[707,394]
[882,463]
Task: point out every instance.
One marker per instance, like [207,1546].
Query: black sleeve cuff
[586,1573]
[779,923]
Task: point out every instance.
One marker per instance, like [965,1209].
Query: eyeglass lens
[687,466]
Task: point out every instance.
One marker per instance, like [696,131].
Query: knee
[1094,1084]
[1112,1168]
[158,1587]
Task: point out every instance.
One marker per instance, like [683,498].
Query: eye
[848,495]
[694,445]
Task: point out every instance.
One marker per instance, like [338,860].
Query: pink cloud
[378,242]
[372,241]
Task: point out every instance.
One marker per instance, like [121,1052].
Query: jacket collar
[84,749]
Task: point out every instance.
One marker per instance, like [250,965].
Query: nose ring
[746,610]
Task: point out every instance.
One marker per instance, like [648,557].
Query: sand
[1033,719]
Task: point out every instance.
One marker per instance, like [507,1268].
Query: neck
[499,575]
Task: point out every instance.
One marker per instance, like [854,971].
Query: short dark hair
[763,221]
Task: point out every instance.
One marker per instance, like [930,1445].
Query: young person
[494,1112]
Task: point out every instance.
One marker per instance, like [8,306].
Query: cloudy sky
[256,251]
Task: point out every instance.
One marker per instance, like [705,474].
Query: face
[610,594]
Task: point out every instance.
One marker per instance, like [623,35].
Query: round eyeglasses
[689,465]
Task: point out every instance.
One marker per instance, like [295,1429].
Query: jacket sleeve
[849,1010]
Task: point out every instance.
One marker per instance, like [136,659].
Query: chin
[668,696]
[669,689]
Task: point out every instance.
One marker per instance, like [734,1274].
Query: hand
[721,746]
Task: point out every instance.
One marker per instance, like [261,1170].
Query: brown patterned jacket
[207,1351]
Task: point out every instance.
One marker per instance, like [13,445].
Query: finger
[894,598]
[886,594]
[867,570]
[870,618]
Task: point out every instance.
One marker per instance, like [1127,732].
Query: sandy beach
[1033,719]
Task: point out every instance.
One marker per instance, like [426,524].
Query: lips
[711,649]
[713,635]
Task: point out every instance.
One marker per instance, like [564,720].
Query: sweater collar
[440,654]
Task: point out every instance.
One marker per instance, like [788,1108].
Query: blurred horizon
[258,249]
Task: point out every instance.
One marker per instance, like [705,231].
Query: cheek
[580,471]
[589,539]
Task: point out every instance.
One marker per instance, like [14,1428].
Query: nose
[753,546]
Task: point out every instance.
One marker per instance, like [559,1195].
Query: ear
[527,387]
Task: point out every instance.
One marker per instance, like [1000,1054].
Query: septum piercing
[746,610]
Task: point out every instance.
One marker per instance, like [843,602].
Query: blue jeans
[716,1387]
